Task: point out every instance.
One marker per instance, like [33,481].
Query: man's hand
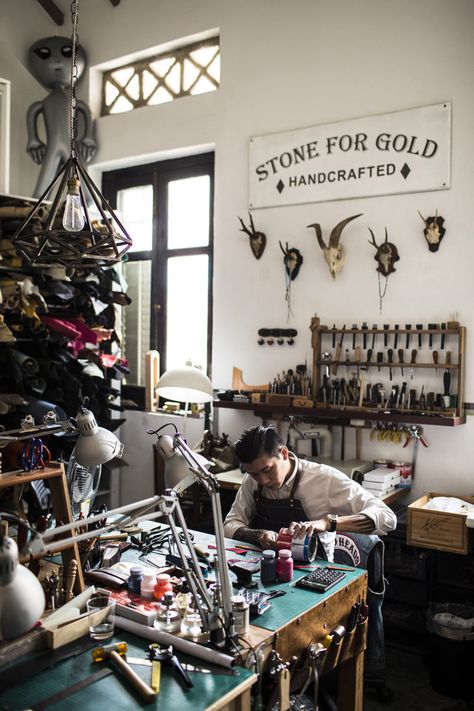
[303,528]
[259,536]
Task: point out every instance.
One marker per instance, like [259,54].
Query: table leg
[350,684]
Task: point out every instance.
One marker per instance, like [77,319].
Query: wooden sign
[400,152]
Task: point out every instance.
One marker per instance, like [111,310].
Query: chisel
[338,351]
[386,326]
[431,326]
[435,360]
[374,328]
[334,335]
[443,335]
[408,327]
[354,328]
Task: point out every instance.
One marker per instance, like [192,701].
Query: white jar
[147,585]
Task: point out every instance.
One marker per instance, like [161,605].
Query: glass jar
[183,599]
[240,612]
[268,567]
[284,566]
[191,624]
[167,616]
[163,584]
[135,580]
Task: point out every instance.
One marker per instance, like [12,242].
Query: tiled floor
[408,677]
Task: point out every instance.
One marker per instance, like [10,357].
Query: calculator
[320,579]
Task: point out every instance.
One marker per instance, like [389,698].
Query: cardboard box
[440,530]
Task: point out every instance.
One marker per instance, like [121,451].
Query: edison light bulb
[73,218]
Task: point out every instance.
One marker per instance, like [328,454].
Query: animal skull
[334,252]
[386,255]
[257,239]
[293,260]
[434,231]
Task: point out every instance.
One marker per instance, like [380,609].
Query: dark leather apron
[273,514]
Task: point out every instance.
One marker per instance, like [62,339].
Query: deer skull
[334,252]
[386,255]
[257,239]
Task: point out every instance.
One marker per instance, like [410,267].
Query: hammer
[114,652]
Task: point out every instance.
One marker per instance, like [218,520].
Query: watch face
[332,522]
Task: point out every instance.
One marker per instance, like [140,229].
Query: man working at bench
[282,491]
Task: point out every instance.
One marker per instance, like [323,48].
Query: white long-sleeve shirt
[321,490]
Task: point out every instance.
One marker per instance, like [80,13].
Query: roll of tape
[302,549]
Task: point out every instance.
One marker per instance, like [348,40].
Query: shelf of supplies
[385,364]
[342,415]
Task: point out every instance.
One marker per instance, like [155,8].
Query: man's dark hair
[255,442]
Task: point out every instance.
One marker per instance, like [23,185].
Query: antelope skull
[334,252]
[434,231]
[293,259]
[386,255]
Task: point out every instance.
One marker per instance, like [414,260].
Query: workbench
[295,620]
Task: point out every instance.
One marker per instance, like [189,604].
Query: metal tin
[303,549]
[381,463]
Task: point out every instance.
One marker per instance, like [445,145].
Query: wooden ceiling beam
[53,11]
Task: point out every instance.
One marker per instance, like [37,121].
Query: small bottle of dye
[135,580]
[163,584]
[148,585]
[268,567]
[284,566]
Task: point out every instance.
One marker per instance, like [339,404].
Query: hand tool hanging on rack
[390,360]
[357,357]
[338,351]
[395,338]
[408,328]
[446,385]
[364,328]
[354,328]
[414,353]
[369,357]
[443,335]
[386,326]
[435,360]
[431,327]
[374,335]
[401,400]
[379,359]
[400,359]
[334,335]
[419,327]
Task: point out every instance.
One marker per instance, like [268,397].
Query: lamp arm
[41,543]
[194,578]
[210,483]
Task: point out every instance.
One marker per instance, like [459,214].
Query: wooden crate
[440,530]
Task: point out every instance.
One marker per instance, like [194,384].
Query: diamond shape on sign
[405,171]
[280,186]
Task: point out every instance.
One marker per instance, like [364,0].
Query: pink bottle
[284,566]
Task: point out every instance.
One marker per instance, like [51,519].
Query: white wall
[288,65]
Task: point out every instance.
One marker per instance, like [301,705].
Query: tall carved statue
[49,60]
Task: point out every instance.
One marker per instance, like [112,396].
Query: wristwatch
[332,520]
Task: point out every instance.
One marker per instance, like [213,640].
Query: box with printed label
[440,530]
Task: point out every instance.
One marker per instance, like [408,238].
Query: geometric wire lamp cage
[73,235]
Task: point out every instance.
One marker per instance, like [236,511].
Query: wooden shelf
[385,364]
[342,415]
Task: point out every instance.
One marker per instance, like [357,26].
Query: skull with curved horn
[334,252]
[386,255]
[434,231]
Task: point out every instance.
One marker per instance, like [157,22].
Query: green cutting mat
[115,691]
[297,600]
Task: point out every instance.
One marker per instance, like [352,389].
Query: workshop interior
[217,216]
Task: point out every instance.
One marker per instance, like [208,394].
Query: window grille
[191,70]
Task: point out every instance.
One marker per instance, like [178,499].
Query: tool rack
[328,341]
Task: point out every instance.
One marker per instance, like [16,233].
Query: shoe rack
[40,358]
[412,374]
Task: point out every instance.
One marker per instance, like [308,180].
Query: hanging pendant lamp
[73,236]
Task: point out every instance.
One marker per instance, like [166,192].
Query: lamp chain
[74,76]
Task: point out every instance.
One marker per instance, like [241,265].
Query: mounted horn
[434,231]
[334,252]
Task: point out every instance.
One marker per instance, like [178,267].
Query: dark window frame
[159,174]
